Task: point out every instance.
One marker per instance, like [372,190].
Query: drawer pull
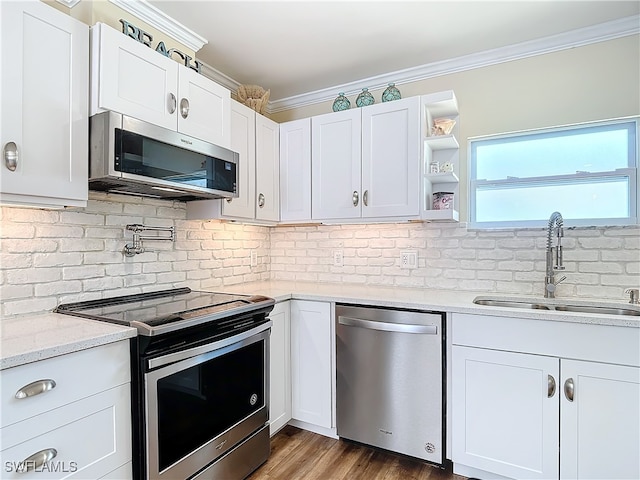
[36,388]
[37,460]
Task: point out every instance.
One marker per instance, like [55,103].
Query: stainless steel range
[200,383]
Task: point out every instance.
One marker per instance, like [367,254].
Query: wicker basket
[254,97]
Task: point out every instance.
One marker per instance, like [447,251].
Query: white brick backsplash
[32,275]
[48,257]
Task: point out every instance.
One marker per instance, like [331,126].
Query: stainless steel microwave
[138,158]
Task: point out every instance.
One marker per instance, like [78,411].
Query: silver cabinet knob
[10,153]
[184,108]
[365,198]
[261,200]
[36,388]
[355,198]
[569,389]
[172,103]
[551,386]
[37,460]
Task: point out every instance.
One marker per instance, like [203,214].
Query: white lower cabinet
[280,367]
[73,419]
[567,407]
[312,363]
[600,428]
[504,419]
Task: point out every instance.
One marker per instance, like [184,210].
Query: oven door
[200,404]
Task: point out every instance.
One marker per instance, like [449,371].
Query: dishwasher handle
[388,327]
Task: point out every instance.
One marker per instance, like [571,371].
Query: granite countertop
[30,338]
[26,339]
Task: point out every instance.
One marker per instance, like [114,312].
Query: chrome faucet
[554,256]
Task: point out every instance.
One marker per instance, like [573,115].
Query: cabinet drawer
[91,437]
[76,375]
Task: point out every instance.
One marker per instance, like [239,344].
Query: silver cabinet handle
[36,388]
[551,386]
[355,198]
[184,108]
[172,103]
[36,460]
[365,198]
[10,153]
[261,200]
[569,389]
[388,327]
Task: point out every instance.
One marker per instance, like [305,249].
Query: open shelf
[441,215]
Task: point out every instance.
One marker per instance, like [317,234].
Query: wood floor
[299,454]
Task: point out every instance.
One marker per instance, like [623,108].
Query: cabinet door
[391,159]
[45,91]
[505,418]
[267,169]
[295,170]
[243,141]
[133,79]
[335,165]
[203,108]
[280,367]
[311,362]
[601,426]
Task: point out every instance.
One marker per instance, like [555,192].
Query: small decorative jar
[365,98]
[443,201]
[341,103]
[391,93]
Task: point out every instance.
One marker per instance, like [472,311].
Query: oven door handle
[153,363]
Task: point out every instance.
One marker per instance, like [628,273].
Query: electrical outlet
[338,258]
[409,260]
[254,258]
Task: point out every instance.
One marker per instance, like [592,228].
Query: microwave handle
[172,103]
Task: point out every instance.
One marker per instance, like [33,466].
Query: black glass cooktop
[182,307]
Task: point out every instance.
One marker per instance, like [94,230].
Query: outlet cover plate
[409,260]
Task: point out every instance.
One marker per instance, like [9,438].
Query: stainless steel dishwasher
[389,385]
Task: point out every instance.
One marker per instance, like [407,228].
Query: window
[587,172]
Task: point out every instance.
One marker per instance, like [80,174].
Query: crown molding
[576,38]
[218,77]
[68,3]
[161,21]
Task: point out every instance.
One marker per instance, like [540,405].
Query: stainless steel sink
[559,306]
[509,303]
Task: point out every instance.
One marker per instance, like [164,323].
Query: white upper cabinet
[366,162]
[256,139]
[295,170]
[335,165]
[267,169]
[44,95]
[243,141]
[132,79]
[204,108]
[391,159]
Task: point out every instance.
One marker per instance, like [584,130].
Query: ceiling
[297,47]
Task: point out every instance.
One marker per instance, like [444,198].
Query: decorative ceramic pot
[365,98]
[341,103]
[391,93]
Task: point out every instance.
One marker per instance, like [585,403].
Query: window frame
[632,171]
